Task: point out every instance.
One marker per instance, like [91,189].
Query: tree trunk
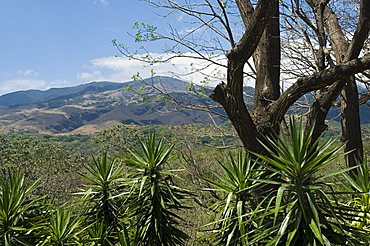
[267,60]
[344,51]
[230,95]
[351,128]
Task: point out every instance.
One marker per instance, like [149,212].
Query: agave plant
[156,198]
[306,211]
[104,199]
[19,212]
[239,186]
[359,184]
[62,229]
[124,238]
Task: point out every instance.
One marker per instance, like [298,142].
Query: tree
[310,44]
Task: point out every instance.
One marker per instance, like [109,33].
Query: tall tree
[344,50]
[297,47]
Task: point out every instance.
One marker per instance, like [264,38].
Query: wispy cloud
[28,73]
[90,76]
[122,69]
[26,79]
[11,85]
[188,67]
[102,2]
[21,84]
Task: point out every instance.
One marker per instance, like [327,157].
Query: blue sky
[55,43]
[58,43]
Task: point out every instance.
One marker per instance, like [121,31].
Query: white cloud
[104,2]
[186,67]
[21,84]
[58,83]
[26,79]
[90,76]
[27,84]
[122,69]
[28,73]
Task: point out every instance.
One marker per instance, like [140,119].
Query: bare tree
[296,47]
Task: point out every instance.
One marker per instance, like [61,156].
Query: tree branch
[249,41]
[317,81]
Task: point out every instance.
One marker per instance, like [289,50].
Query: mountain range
[94,106]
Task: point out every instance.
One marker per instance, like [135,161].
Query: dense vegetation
[182,186]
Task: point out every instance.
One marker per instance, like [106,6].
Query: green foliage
[103,199]
[128,87]
[285,197]
[19,214]
[359,185]
[62,229]
[123,238]
[116,140]
[156,198]
[41,158]
[306,211]
[145,32]
[239,186]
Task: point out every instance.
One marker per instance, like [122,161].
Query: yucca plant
[156,198]
[96,231]
[103,199]
[239,188]
[124,238]
[359,184]
[19,212]
[62,229]
[306,211]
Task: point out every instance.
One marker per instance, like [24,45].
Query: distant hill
[19,98]
[92,105]
[95,105]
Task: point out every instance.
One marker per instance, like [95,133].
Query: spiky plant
[62,229]
[239,187]
[103,199]
[359,184]
[156,198]
[124,238]
[306,210]
[19,212]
